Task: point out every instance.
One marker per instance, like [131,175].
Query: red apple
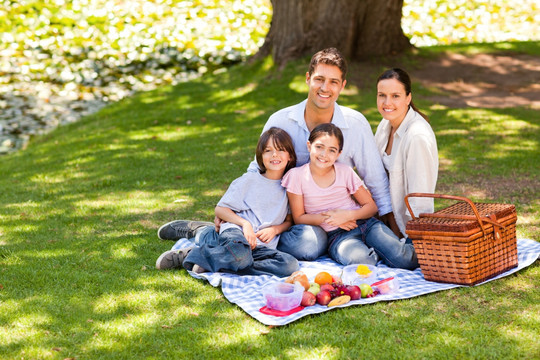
[308,299]
[327,287]
[323,297]
[354,292]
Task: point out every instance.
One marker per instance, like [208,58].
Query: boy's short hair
[329,56]
[282,141]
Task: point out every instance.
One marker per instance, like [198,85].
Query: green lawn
[81,206]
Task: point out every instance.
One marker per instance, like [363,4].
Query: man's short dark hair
[329,56]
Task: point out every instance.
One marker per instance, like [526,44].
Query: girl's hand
[250,235]
[267,234]
[349,225]
[338,218]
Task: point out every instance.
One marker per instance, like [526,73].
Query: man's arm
[368,163]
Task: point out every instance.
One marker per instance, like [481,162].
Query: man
[325,79]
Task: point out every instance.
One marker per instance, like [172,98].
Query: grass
[81,205]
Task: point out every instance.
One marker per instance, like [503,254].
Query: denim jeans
[304,242]
[369,242]
[230,252]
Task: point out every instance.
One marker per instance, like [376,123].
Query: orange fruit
[323,278]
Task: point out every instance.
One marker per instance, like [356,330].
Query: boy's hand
[217,223]
[267,234]
[250,236]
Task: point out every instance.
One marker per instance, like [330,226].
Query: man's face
[325,85]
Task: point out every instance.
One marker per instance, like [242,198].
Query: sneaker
[198,269]
[172,259]
[179,229]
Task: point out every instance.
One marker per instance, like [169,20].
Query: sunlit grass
[78,237]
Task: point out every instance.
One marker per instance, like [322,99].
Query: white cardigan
[412,166]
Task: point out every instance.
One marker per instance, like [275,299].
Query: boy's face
[325,85]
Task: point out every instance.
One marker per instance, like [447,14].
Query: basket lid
[460,225]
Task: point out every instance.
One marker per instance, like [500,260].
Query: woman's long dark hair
[401,76]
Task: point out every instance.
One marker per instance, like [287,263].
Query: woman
[407,146]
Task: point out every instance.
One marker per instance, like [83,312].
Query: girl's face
[392,102]
[274,160]
[324,151]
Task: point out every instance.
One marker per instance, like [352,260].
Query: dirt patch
[482,80]
[460,81]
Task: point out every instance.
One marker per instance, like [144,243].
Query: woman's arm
[367,210]
[267,234]
[228,215]
[296,203]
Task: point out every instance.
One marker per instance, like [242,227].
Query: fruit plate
[367,274]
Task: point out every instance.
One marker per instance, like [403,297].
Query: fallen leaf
[166,326]
[56,349]
[194,313]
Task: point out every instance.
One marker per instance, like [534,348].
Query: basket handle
[496,226]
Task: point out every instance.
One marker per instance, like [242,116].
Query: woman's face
[392,102]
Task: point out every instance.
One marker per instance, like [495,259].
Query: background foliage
[115,46]
[60,60]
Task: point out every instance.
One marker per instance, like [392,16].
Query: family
[301,197]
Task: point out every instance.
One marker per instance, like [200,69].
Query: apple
[354,292]
[323,297]
[314,288]
[308,299]
[327,287]
[366,290]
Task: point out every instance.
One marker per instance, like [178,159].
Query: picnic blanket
[245,291]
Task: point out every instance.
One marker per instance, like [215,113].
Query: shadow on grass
[79,220]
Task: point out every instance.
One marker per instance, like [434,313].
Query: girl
[407,146]
[255,212]
[331,195]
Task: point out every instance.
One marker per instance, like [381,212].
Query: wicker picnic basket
[465,243]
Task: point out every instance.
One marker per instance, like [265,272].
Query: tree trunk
[358,28]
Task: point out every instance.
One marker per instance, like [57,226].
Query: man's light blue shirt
[359,149]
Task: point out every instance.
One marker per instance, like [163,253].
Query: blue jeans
[230,252]
[369,242]
[304,242]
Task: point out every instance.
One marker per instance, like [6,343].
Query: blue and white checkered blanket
[245,291]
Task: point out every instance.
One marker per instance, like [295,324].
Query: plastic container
[283,296]
[352,277]
[386,286]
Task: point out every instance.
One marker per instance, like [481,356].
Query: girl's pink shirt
[299,181]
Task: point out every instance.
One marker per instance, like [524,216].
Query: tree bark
[360,29]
